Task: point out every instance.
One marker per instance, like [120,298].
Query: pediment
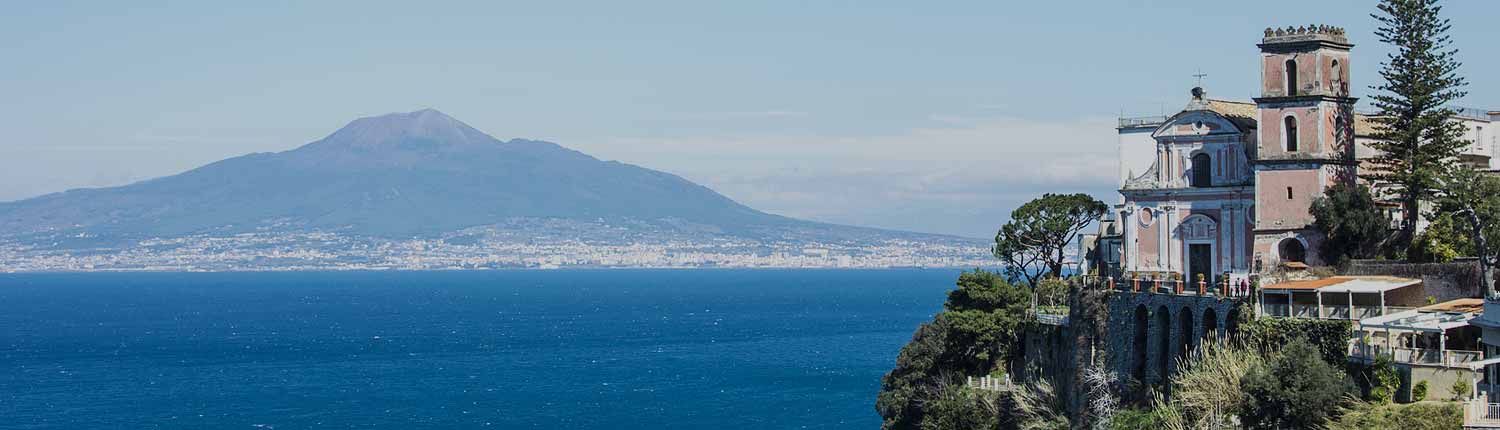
[1196,123]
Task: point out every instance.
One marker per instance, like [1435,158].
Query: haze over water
[591,349]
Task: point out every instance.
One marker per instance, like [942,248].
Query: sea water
[570,349]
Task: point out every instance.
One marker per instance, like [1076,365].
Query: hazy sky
[926,116]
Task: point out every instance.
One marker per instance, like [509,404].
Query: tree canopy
[1350,220]
[1296,389]
[1470,198]
[975,334]
[1032,243]
[1417,141]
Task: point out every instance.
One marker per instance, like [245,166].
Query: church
[1225,188]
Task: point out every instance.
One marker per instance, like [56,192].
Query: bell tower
[1305,142]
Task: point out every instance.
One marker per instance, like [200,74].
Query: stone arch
[1231,325]
[1291,76]
[1210,323]
[1289,133]
[1163,343]
[1185,323]
[1292,249]
[1142,320]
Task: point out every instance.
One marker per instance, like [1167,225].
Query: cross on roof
[1200,76]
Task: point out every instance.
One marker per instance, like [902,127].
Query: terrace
[1437,336]
[1341,297]
[1168,283]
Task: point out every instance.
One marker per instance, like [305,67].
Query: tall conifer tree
[1415,135]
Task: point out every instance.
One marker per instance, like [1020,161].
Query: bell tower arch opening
[1291,76]
[1291,250]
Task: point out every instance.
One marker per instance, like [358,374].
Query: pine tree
[1417,140]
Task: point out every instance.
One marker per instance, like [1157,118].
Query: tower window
[1291,77]
[1338,77]
[1290,130]
[1202,171]
[1288,193]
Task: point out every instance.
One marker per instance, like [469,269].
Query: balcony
[1481,414]
[1142,121]
[1162,286]
[1358,350]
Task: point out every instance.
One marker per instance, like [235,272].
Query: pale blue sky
[928,116]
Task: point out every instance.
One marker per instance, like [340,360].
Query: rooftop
[1347,284]
[1305,33]
[1434,318]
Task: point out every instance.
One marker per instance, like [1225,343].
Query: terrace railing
[1360,351]
[1362,312]
[1165,285]
[1481,414]
[1276,310]
[1304,311]
[991,383]
[1336,312]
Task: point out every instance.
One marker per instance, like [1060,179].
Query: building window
[1289,129]
[1291,77]
[1201,171]
[1288,193]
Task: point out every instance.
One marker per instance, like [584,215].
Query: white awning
[1419,320]
[1369,285]
[1480,365]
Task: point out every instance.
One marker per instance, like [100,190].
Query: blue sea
[571,349]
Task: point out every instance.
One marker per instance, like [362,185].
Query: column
[1320,303]
[1222,248]
[1241,243]
[1442,345]
[1127,240]
[1164,216]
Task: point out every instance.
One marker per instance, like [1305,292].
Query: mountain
[399,175]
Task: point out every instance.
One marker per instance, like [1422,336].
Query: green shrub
[1381,395]
[1294,390]
[1329,337]
[1134,419]
[1419,392]
[1461,389]
[957,407]
[1052,292]
[980,326]
[1415,416]
[1385,381]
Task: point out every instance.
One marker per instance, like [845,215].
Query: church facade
[1226,187]
[1230,184]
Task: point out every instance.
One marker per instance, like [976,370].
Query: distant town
[275,251]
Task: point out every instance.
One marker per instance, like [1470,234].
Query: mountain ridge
[395,175]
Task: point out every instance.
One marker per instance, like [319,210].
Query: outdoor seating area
[1342,297]
[1436,335]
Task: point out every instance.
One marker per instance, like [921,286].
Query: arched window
[1289,130]
[1338,78]
[1291,77]
[1201,171]
[1291,250]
